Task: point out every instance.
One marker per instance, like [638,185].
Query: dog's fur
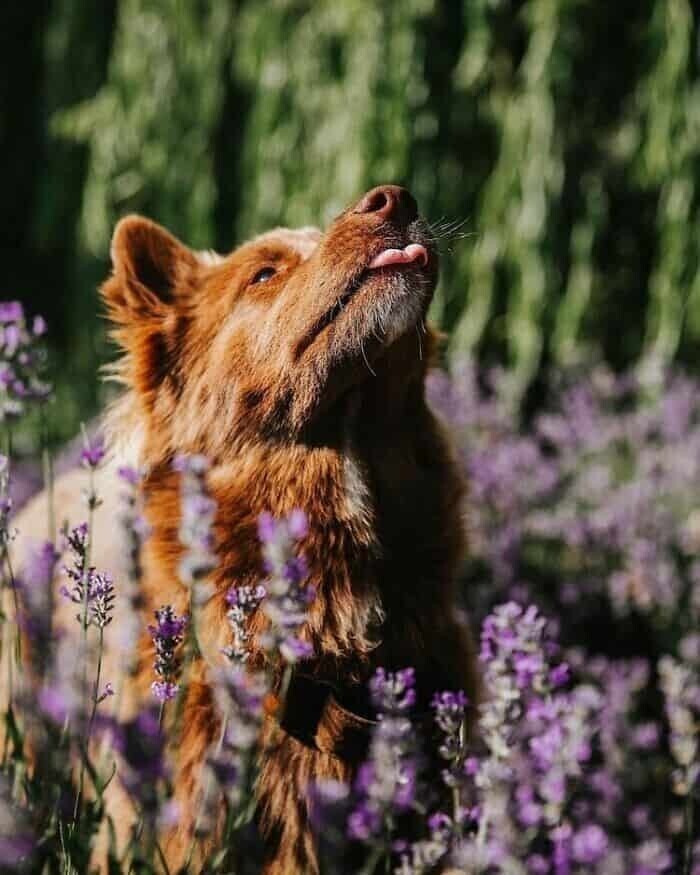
[305,391]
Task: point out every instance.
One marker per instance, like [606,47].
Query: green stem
[456,795]
[15,645]
[15,598]
[689,817]
[191,653]
[96,689]
[206,791]
[374,858]
[85,623]
[47,466]
[136,833]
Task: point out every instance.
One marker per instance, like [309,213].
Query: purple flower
[135,530]
[560,675]
[142,769]
[39,326]
[196,465]
[16,849]
[243,601]
[681,690]
[196,526]
[450,715]
[91,589]
[393,692]
[646,736]
[240,695]
[22,361]
[5,501]
[294,649]
[11,311]
[106,692]
[164,691]
[297,524]
[35,587]
[363,823]
[167,634]
[129,475]
[39,565]
[589,844]
[56,704]
[651,857]
[511,652]
[286,599]
[18,838]
[386,783]
[91,456]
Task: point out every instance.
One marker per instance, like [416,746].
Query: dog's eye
[263,275]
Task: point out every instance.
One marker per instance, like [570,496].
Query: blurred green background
[565,134]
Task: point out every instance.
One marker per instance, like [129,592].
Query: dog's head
[273,335]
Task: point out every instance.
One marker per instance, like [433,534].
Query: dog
[296,365]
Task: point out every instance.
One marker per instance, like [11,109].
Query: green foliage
[565,133]
[150,126]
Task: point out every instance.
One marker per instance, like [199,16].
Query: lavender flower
[11,311]
[164,691]
[18,839]
[243,602]
[589,844]
[89,587]
[167,634]
[681,691]
[198,511]
[143,769]
[135,531]
[6,533]
[537,739]
[107,691]
[424,856]
[450,713]
[511,652]
[385,784]
[241,696]
[92,456]
[590,513]
[287,599]
[449,710]
[21,361]
[35,587]
[64,693]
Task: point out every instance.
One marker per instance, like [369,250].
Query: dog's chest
[358,506]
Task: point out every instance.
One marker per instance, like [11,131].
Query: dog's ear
[151,269]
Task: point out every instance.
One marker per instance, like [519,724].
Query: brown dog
[297,365]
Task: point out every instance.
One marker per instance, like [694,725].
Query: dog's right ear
[151,269]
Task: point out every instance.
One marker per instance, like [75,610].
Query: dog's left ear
[151,267]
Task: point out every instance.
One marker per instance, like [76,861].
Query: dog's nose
[389,202]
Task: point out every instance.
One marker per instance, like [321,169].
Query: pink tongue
[413,252]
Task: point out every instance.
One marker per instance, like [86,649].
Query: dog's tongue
[413,252]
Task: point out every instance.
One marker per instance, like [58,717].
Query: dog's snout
[390,202]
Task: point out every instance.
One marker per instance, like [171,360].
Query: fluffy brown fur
[306,391]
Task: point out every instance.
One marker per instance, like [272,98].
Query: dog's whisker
[420,345]
[364,356]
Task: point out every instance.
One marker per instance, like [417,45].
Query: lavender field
[582,584]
